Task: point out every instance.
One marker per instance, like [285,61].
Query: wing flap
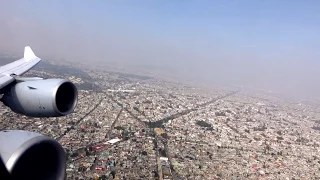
[5,80]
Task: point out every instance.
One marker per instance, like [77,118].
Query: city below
[129,126]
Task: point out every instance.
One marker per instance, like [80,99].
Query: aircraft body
[29,155]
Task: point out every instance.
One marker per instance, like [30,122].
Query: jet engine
[29,155]
[42,98]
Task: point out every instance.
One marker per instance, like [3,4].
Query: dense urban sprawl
[130,126]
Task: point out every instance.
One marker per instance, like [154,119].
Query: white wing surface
[17,68]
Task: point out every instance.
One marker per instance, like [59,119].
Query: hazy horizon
[272,45]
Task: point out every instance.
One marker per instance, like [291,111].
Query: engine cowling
[42,98]
[29,155]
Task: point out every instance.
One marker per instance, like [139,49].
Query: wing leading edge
[18,67]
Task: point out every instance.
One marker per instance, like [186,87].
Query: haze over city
[161,90]
[271,45]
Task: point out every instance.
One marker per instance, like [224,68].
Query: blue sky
[263,43]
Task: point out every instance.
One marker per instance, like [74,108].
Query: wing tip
[28,53]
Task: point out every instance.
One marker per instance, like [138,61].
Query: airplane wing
[33,97]
[17,68]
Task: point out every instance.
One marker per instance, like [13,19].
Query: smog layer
[128,126]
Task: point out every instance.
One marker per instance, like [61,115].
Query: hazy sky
[271,44]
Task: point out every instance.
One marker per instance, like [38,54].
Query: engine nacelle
[29,155]
[42,98]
